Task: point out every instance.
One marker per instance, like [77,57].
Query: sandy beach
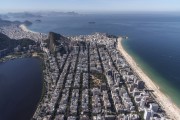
[24,28]
[171,109]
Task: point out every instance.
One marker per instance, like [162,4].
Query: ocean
[154,41]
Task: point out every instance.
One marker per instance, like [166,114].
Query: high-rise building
[147,114]
[142,103]
[154,107]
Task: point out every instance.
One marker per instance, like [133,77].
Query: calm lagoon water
[20,88]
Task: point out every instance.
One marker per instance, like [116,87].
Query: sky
[89,5]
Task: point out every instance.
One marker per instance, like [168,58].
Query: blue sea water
[154,41]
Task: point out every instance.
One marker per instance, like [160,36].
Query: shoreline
[166,103]
[42,64]
[25,28]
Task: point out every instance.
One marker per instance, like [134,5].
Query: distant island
[92,22]
[27,15]
[23,15]
[52,13]
[38,21]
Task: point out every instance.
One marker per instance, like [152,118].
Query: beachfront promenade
[15,31]
[172,110]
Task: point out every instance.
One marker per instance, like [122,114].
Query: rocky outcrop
[57,42]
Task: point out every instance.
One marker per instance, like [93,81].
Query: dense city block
[91,80]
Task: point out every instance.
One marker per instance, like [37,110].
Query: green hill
[6,42]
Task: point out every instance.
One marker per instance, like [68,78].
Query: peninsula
[91,77]
[95,79]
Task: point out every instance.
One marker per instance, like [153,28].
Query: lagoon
[20,88]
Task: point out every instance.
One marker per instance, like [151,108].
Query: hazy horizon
[90,5]
[99,12]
